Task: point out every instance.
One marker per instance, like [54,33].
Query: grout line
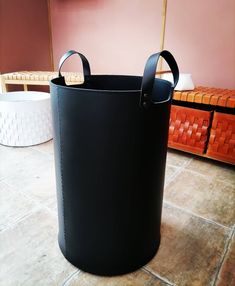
[25,194]
[19,163]
[70,277]
[51,153]
[27,215]
[199,174]
[167,203]
[38,206]
[171,165]
[226,183]
[17,221]
[211,179]
[169,179]
[44,153]
[202,175]
[53,212]
[165,280]
[220,264]
[178,171]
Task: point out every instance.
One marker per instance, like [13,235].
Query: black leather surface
[110,156]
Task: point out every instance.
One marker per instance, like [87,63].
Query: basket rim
[127,91]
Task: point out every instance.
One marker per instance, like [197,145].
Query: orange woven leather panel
[188,129]
[207,95]
[222,138]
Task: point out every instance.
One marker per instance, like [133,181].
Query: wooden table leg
[3,84]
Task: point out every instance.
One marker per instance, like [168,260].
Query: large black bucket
[110,139]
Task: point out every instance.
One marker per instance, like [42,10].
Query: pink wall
[24,35]
[201,34]
[117,36]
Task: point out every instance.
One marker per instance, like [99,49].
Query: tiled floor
[198,225]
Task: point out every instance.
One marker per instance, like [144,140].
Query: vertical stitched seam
[61,169]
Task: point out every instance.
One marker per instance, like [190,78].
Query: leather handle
[85,63]
[150,71]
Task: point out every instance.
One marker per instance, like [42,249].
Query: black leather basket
[110,140]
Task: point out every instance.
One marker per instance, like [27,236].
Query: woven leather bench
[26,78]
[36,78]
[203,122]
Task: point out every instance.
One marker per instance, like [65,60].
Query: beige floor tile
[52,204]
[35,177]
[208,198]
[177,158]
[10,157]
[46,147]
[190,249]
[170,172]
[138,278]
[29,253]
[213,169]
[227,272]
[13,206]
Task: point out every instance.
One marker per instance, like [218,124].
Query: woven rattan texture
[207,95]
[222,138]
[188,129]
[42,76]
[25,128]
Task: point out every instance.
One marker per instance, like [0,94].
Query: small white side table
[25,118]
